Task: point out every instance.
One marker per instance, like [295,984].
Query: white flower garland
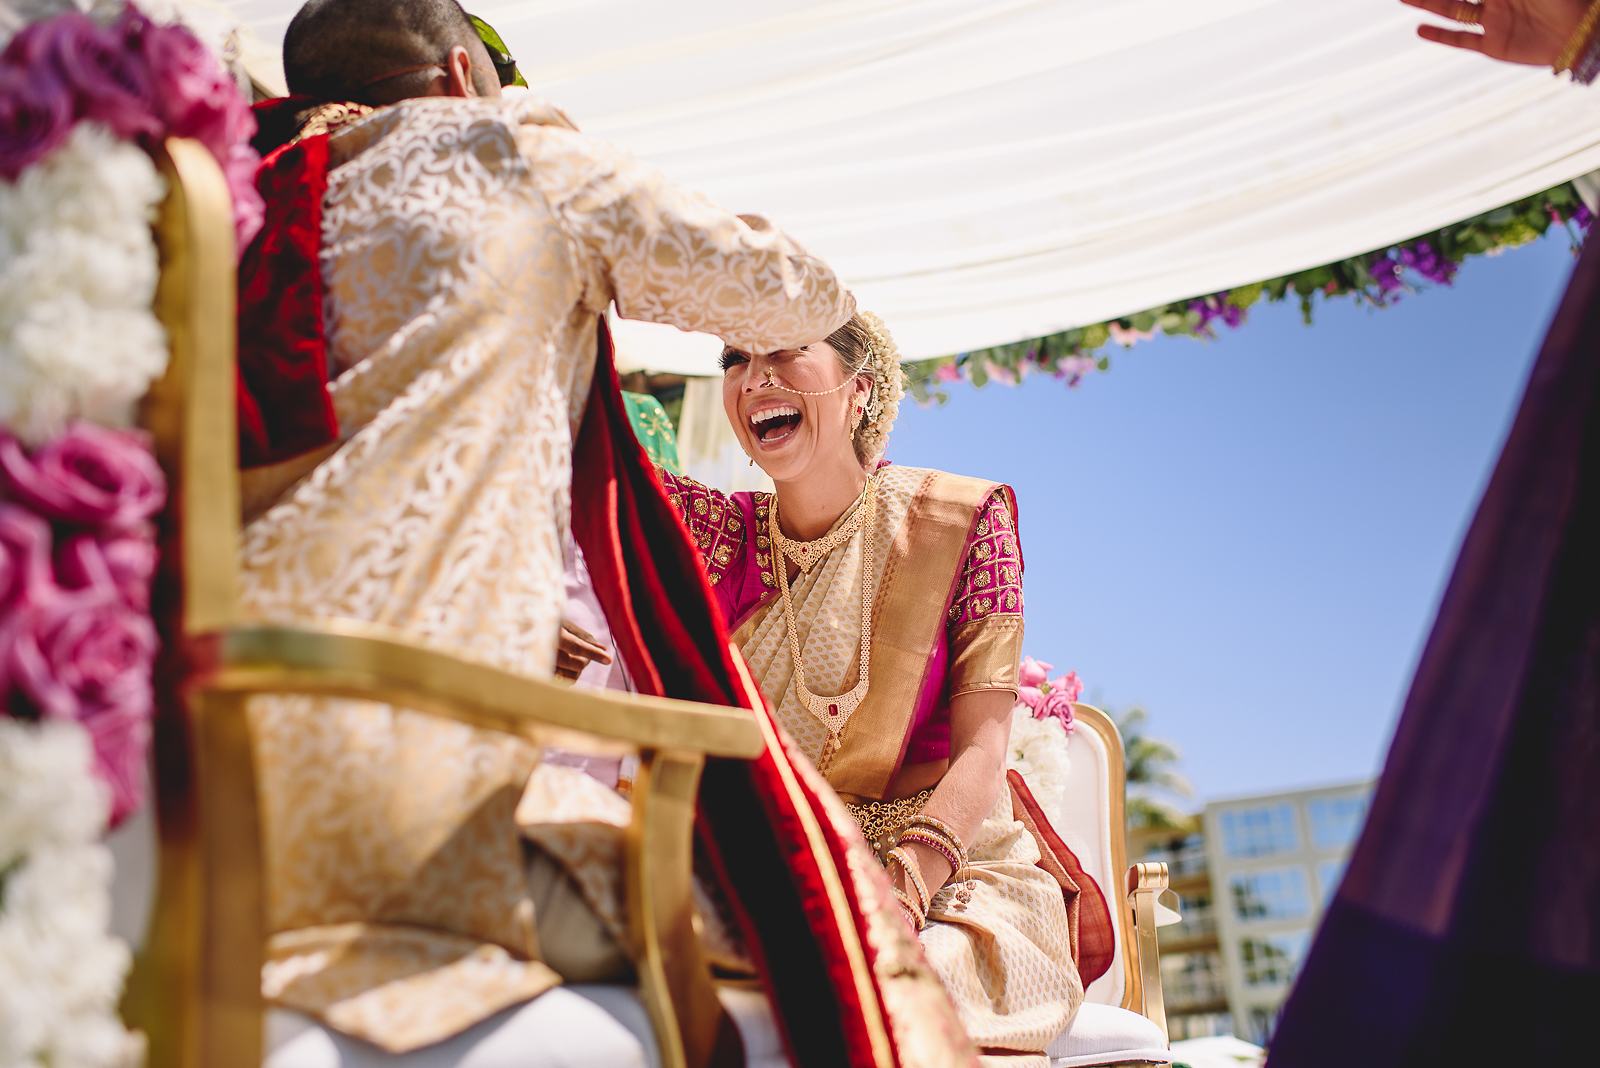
[78,340]
[61,974]
[78,267]
[1039,751]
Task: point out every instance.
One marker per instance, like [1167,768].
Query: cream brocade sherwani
[468,248]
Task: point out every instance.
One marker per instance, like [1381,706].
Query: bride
[880,610]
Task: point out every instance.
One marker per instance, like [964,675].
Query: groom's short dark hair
[334,49]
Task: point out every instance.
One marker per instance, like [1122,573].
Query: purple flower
[109,84]
[1386,273]
[89,476]
[1583,216]
[35,117]
[1423,258]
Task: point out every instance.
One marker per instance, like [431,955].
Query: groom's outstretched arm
[668,255]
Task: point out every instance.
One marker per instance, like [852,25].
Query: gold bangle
[1580,38]
[908,864]
[919,920]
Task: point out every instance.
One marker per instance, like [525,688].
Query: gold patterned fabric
[469,247]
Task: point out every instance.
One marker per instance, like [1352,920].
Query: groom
[424,374]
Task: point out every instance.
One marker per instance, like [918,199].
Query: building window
[1278,894]
[1199,1025]
[1199,919]
[1191,980]
[1259,832]
[1271,960]
[1335,821]
[1329,872]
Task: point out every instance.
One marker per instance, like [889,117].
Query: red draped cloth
[781,864]
[1467,928]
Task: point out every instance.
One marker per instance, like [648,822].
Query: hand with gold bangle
[1553,33]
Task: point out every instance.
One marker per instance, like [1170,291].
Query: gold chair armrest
[1146,883]
[348,659]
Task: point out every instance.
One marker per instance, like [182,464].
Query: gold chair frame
[196,987]
[1145,883]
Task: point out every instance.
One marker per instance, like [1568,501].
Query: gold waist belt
[880,821]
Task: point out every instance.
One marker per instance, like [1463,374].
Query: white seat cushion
[1108,1034]
[568,1027]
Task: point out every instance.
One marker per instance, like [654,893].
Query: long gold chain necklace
[833,712]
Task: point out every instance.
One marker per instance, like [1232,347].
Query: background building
[1254,875]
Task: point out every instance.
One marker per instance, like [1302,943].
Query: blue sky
[1249,536]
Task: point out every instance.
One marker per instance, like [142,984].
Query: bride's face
[787,434]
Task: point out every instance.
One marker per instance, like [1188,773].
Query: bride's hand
[1534,32]
[576,650]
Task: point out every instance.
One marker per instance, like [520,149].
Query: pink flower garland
[1048,698]
[141,80]
[77,553]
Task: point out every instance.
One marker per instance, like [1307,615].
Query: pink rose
[195,97]
[35,117]
[249,210]
[191,91]
[1030,696]
[121,738]
[1069,684]
[90,476]
[124,562]
[109,83]
[1034,672]
[24,557]
[1056,705]
[947,372]
[73,654]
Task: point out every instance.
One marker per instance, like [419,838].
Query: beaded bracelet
[1581,39]
[936,843]
[942,830]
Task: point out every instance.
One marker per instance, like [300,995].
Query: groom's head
[382,51]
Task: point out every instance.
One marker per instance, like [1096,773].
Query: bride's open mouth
[774,424]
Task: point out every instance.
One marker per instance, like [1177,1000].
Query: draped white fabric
[987,172]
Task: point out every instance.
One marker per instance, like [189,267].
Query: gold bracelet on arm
[913,872]
[919,920]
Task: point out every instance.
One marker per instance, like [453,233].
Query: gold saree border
[908,621]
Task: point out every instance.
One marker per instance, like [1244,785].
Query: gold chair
[1123,1020]
[196,989]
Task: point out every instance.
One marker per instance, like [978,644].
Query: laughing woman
[880,608]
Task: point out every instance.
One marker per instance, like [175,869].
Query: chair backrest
[190,416]
[1094,828]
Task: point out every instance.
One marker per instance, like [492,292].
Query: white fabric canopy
[987,172]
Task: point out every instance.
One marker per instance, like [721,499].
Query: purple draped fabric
[1467,928]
